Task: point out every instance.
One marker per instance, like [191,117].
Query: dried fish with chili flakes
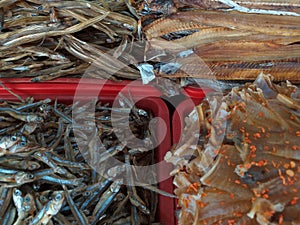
[252,177]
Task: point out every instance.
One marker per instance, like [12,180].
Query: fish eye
[18,192]
[43,107]
[13,138]
[30,176]
[39,119]
[27,199]
[23,143]
[43,198]
[86,193]
[58,197]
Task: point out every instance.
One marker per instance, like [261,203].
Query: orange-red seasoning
[231,222]
[280,220]
[262,129]
[294,201]
[265,196]
[252,148]
[186,202]
[200,204]
[237,181]
[260,114]
[282,177]
[257,135]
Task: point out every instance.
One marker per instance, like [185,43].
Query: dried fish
[45,177]
[228,45]
[33,44]
[252,175]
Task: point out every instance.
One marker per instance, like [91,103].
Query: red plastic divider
[195,93]
[181,111]
[64,90]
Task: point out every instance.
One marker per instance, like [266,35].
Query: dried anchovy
[244,166]
[46,179]
[35,38]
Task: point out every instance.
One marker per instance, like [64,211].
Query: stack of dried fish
[226,40]
[211,38]
[48,174]
[50,39]
[244,166]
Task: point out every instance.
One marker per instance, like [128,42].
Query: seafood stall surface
[50,174]
[245,164]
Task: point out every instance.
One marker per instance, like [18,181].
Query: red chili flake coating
[282,177]
[294,201]
[265,196]
[231,222]
[280,220]
[257,135]
[260,114]
[263,130]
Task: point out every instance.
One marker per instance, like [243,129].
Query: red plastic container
[181,111]
[195,93]
[146,97]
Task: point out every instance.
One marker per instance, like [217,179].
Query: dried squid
[245,166]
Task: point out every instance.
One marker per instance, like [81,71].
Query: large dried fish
[229,45]
[246,172]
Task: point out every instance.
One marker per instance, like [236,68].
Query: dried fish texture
[277,7]
[232,45]
[246,172]
[50,175]
[54,28]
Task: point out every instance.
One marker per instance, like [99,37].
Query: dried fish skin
[256,166]
[229,49]
[222,175]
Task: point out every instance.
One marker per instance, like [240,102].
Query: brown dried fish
[253,174]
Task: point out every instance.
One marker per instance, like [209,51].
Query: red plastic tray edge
[197,94]
[68,86]
[64,93]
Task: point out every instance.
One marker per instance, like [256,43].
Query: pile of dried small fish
[46,177]
[244,166]
[50,39]
[226,40]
